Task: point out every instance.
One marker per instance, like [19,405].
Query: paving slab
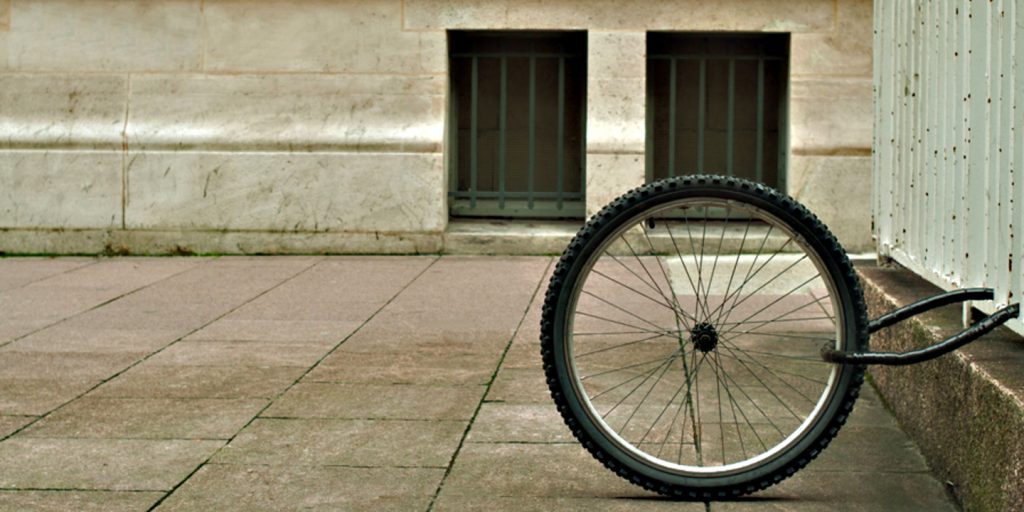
[520,386]
[10,424]
[848,491]
[411,334]
[241,353]
[449,503]
[365,443]
[18,272]
[148,418]
[160,381]
[519,423]
[69,337]
[420,366]
[524,354]
[533,470]
[236,487]
[372,401]
[66,294]
[65,365]
[105,464]
[38,396]
[336,290]
[79,501]
[251,329]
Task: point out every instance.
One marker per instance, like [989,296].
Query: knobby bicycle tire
[638,317]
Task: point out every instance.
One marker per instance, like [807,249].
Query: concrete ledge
[173,242]
[508,237]
[965,410]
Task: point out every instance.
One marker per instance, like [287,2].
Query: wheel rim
[693,335]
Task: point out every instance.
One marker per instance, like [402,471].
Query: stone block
[617,54]
[60,189]
[817,182]
[62,111]
[104,35]
[286,192]
[65,241]
[831,116]
[798,16]
[609,176]
[288,112]
[616,115]
[348,36]
[844,51]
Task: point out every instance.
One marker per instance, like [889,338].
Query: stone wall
[280,126]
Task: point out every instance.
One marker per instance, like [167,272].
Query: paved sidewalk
[330,383]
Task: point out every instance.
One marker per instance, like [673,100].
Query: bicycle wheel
[682,330]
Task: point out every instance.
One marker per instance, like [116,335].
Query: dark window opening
[516,124]
[716,103]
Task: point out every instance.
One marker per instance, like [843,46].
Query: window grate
[717,104]
[516,124]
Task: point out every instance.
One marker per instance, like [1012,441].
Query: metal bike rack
[945,346]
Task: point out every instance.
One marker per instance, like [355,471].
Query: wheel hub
[704,337]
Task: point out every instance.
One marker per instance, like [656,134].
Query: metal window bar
[474,191]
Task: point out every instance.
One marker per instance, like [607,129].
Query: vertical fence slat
[941,137]
[1016,257]
[882,92]
[978,150]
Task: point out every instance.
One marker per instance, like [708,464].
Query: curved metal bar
[928,304]
[950,344]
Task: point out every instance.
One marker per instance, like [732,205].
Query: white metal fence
[949,142]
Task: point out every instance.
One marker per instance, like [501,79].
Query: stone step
[966,409]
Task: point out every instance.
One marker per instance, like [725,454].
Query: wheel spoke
[620,345]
